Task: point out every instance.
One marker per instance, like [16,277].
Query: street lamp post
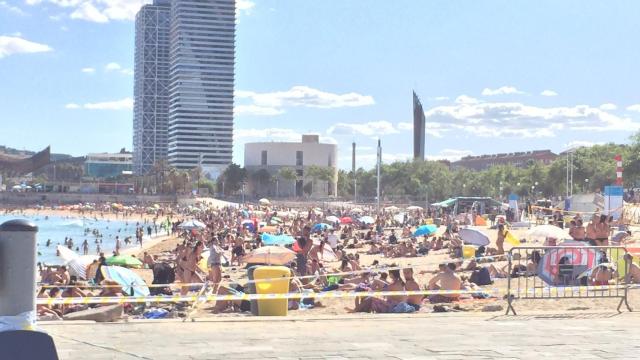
[586,185]
[243,193]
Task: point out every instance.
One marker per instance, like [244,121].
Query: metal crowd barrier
[567,272]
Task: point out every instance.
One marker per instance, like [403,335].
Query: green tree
[288,174]
[232,178]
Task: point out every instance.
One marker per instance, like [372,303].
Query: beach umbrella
[357,211]
[272,255]
[414,208]
[572,261]
[367,220]
[268,229]
[327,254]
[619,236]
[124,260]
[346,220]
[474,237]
[542,232]
[269,239]
[126,278]
[392,208]
[264,201]
[321,227]
[425,230]
[192,225]
[399,218]
[332,219]
[77,264]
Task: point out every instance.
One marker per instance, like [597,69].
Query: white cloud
[405,126]
[89,12]
[114,66]
[503,90]
[124,104]
[548,93]
[635,107]
[464,99]
[580,143]
[299,96]
[496,119]
[433,129]
[608,106]
[88,70]
[104,11]
[441,98]
[10,45]
[11,8]
[244,6]
[378,128]
[256,110]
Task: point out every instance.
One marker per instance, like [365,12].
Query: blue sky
[493,76]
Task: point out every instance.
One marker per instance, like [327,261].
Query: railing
[568,272]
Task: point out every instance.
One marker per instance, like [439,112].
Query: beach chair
[27,345]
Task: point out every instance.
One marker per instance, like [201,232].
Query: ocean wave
[73,223]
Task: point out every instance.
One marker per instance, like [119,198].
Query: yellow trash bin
[468,251]
[272,307]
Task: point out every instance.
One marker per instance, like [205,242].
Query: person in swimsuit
[190,267]
[377,305]
[602,231]
[591,232]
[445,280]
[214,262]
[410,284]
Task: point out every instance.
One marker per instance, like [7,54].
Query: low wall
[16,198]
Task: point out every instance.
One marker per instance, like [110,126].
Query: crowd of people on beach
[328,258]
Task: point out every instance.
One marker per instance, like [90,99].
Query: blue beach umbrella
[127,279]
[425,230]
[269,239]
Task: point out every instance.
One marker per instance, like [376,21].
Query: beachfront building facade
[106,165]
[419,123]
[151,86]
[517,159]
[313,165]
[201,81]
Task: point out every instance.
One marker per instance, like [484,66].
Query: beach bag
[481,277]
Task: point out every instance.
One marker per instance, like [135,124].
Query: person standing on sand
[500,239]
[305,244]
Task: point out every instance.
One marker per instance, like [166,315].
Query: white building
[201,79]
[298,156]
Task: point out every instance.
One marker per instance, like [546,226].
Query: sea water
[57,228]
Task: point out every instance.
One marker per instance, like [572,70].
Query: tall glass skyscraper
[419,124]
[201,79]
[151,86]
[194,72]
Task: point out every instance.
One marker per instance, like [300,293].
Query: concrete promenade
[433,336]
